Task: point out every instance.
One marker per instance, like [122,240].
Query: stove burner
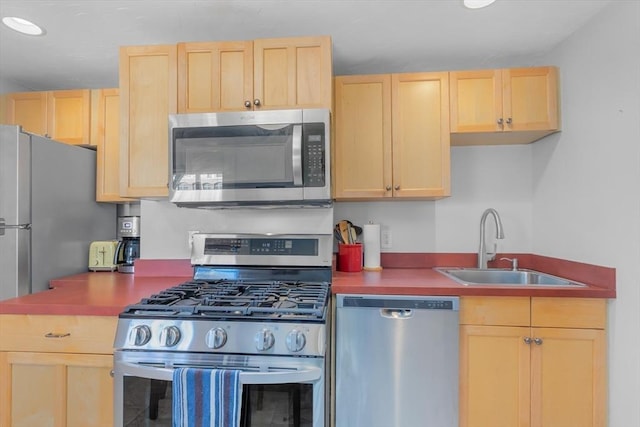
[226,298]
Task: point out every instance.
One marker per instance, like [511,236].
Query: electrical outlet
[385,237]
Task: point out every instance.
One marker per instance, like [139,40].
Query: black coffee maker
[128,248]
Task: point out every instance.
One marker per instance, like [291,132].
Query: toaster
[102,255]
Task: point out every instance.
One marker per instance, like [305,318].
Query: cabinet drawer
[569,312]
[502,311]
[57,334]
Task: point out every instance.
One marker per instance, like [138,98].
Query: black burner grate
[225,298]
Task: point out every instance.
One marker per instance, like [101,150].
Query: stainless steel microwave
[255,158]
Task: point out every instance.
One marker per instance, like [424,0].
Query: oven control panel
[261,246]
[219,336]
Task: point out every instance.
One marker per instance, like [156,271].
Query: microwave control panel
[314,155]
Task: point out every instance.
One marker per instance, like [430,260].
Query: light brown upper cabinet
[261,74]
[148,94]
[215,76]
[69,116]
[507,106]
[105,135]
[63,115]
[29,110]
[391,136]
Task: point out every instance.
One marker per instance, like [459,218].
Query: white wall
[586,182]
[481,178]
[165,228]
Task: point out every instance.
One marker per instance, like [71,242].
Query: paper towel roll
[371,241]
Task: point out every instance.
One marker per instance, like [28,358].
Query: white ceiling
[80,49]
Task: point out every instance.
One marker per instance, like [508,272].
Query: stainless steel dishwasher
[396,361]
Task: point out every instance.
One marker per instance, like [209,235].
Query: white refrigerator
[48,212]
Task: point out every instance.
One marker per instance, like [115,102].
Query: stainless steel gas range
[257,303]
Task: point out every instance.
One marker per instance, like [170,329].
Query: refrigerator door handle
[4,226]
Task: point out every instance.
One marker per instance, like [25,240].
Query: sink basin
[493,276]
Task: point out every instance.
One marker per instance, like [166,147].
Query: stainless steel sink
[492,276]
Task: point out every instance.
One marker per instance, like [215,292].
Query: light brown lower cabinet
[55,371]
[535,362]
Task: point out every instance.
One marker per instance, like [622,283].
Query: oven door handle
[308,374]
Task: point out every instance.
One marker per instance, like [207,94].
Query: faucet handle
[492,255]
[514,262]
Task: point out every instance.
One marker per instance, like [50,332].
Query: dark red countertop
[106,293]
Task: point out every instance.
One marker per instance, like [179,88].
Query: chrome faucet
[483,255]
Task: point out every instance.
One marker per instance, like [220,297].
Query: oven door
[276,391]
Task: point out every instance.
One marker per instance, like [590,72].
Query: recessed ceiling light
[477,4]
[22,26]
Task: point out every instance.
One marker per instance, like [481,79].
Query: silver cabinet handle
[397,187]
[500,121]
[296,155]
[527,340]
[256,102]
[537,341]
[388,188]
[509,121]
[57,335]
[247,104]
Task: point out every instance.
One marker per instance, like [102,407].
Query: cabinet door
[105,135]
[292,72]
[494,376]
[69,116]
[29,110]
[530,99]
[56,389]
[215,76]
[476,101]
[148,94]
[420,117]
[569,379]
[362,143]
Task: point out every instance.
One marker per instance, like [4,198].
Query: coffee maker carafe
[128,248]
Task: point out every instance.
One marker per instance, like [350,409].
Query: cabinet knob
[500,121]
[247,104]
[537,341]
[397,187]
[256,102]
[527,340]
[388,188]
[509,121]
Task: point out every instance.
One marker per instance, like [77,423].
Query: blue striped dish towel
[206,397]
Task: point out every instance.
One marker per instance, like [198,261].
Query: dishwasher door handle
[396,313]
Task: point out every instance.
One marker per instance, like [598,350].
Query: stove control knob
[296,340]
[264,340]
[140,335]
[169,336]
[216,338]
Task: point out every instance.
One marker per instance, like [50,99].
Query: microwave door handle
[296,155]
